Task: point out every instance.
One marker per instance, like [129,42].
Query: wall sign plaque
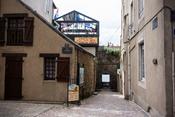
[67,49]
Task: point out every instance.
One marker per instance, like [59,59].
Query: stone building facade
[36,60]
[147,57]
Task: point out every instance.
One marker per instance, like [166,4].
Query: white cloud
[108,12]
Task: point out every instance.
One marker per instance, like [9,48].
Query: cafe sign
[86,40]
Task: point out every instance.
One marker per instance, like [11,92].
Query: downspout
[173,62]
[78,83]
[94,74]
[129,74]
[173,57]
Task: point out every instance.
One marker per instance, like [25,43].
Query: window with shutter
[28,33]
[15,31]
[49,68]
[50,65]
[2,31]
[19,30]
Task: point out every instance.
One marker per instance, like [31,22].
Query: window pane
[140,7]
[49,68]
[141,57]
[15,31]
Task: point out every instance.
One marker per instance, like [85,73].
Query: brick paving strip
[105,104]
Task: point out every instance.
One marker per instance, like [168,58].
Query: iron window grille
[16,30]
[49,68]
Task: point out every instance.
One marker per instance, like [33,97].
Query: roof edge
[78,13]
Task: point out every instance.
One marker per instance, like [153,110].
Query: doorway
[13,77]
[105,80]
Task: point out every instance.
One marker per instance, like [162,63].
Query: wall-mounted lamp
[155,62]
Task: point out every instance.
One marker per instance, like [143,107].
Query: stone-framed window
[141,62]
[154,23]
[50,65]
[49,68]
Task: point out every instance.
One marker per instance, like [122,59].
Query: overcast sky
[107,12]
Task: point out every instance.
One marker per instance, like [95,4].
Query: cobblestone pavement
[105,104]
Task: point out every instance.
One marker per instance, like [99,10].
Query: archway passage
[107,66]
[107,80]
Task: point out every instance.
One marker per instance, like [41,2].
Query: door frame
[6,55]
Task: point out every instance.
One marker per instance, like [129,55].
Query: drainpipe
[173,63]
[129,74]
[78,83]
[173,57]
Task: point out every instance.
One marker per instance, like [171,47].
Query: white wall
[41,7]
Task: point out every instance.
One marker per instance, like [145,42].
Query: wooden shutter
[28,32]
[2,31]
[63,69]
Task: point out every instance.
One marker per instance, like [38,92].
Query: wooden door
[63,69]
[13,78]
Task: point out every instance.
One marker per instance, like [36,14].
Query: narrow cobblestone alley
[105,104]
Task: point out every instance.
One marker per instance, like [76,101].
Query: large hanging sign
[75,28]
[86,40]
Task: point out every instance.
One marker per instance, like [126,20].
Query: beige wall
[145,93]
[124,55]
[90,76]
[157,46]
[45,41]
